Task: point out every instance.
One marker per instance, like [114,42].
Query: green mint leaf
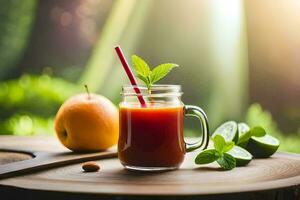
[258,131]
[228,146]
[207,156]
[227,161]
[146,75]
[161,71]
[140,66]
[219,143]
[144,79]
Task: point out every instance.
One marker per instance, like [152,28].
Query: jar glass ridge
[159,96]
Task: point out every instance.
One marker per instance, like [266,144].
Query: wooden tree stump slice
[277,177]
[10,157]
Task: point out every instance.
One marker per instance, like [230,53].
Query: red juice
[151,137]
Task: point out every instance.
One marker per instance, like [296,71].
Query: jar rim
[156,90]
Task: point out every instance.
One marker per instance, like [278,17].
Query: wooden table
[274,178]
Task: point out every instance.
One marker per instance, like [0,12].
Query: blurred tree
[123,15]
[229,58]
[16,19]
[208,40]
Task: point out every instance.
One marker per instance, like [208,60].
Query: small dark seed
[90,167]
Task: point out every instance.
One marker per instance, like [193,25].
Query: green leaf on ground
[227,161]
[207,156]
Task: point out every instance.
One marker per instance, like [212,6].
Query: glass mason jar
[151,137]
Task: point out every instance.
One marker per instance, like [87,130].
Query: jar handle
[195,111]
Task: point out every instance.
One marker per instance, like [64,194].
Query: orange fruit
[87,122]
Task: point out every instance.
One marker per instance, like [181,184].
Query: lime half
[242,156]
[228,131]
[242,129]
[262,147]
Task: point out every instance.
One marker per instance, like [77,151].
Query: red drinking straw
[130,75]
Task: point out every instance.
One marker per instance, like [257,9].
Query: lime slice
[228,131]
[262,147]
[242,129]
[242,156]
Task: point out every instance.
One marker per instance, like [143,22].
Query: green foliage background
[29,103]
[16,20]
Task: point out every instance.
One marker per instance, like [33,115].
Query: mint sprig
[225,160]
[148,76]
[207,156]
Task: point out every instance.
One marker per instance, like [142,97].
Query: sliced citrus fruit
[243,128]
[228,130]
[263,147]
[242,156]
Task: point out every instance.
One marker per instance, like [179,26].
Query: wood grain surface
[11,157]
[277,173]
[29,161]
